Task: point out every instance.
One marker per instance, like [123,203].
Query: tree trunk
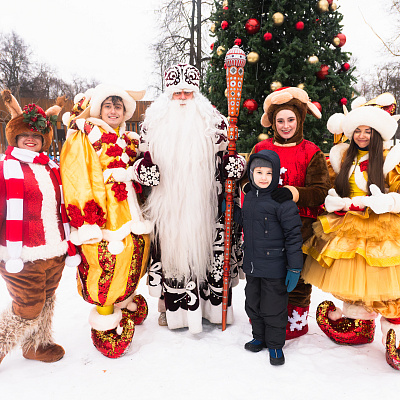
[198,55]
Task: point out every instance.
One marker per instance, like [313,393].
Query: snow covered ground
[178,365]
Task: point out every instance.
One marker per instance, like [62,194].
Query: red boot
[297,321]
[391,328]
[115,342]
[344,330]
[140,314]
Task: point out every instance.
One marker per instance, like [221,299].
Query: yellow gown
[102,210]
[356,256]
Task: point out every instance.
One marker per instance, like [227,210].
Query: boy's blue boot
[255,345]
[276,357]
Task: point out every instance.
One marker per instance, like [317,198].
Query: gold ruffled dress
[356,256]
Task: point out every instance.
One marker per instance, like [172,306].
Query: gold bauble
[226,92]
[253,57]
[225,3]
[301,86]
[336,41]
[275,85]
[278,18]
[333,7]
[262,136]
[220,50]
[323,5]
[313,59]
[213,27]
[210,89]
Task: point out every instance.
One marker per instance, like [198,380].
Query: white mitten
[335,203]
[379,202]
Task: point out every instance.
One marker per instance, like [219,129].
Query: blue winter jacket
[272,236]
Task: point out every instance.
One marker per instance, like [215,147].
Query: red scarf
[14,179]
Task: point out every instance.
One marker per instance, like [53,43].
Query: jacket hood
[273,158]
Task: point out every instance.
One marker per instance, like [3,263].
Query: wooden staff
[235,60]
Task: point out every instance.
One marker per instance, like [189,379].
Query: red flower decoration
[87,127]
[116,164]
[114,151]
[363,165]
[127,140]
[75,216]
[93,214]
[119,190]
[130,152]
[109,138]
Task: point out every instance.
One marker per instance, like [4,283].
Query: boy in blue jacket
[273,257]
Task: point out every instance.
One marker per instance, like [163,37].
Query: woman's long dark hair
[375,166]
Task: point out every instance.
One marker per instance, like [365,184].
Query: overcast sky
[109,40]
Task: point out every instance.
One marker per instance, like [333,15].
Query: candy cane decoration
[235,60]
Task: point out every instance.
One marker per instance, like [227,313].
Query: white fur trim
[385,99]
[371,116]
[125,158]
[336,155]
[124,303]
[392,159]
[104,322]
[89,234]
[132,135]
[121,143]
[70,132]
[94,135]
[359,176]
[73,261]
[385,326]
[103,91]
[141,227]
[65,118]
[136,212]
[357,312]
[119,234]
[335,123]
[358,102]
[115,247]
[80,123]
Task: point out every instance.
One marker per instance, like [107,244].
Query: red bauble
[251,105]
[224,25]
[343,101]
[267,36]
[323,72]
[212,46]
[342,38]
[226,8]
[238,42]
[318,105]
[252,26]
[330,2]
[299,25]
[345,67]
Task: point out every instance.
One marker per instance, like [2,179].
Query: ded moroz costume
[187,139]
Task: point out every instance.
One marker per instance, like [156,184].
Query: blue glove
[292,277]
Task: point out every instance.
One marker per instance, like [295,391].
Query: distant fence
[60,130]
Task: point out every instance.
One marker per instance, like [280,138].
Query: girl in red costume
[304,178]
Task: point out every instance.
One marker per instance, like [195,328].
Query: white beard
[184,205]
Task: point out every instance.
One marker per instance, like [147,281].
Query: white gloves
[381,203]
[335,203]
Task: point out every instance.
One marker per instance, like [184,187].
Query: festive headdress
[31,118]
[294,99]
[101,92]
[182,77]
[377,113]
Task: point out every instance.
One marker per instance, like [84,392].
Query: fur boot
[39,345]
[344,330]
[13,330]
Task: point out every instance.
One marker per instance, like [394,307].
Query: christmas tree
[288,43]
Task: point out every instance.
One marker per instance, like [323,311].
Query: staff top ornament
[235,57]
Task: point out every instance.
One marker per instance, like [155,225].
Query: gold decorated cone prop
[235,60]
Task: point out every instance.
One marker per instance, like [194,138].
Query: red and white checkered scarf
[14,179]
